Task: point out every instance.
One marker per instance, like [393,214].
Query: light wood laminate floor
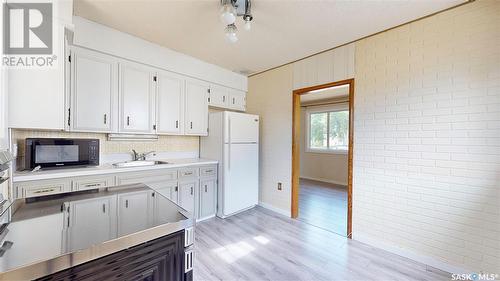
[261,245]
[323,205]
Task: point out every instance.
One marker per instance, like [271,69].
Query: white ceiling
[334,93]
[282,31]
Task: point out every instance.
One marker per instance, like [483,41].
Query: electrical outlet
[280,187]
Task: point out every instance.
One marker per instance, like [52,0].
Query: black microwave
[57,152]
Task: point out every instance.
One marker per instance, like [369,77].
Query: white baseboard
[324,180]
[274,209]
[427,260]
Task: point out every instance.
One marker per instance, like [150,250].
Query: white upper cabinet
[228,98]
[170,103]
[237,100]
[136,98]
[94,91]
[36,94]
[219,96]
[196,114]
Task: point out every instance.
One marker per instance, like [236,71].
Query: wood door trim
[296,146]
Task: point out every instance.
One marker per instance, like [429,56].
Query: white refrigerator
[233,140]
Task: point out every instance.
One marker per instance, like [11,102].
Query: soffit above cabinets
[282,31]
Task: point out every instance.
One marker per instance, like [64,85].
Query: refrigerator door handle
[228,143]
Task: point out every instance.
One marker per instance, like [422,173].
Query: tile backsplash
[163,144]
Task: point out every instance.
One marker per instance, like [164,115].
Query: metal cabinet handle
[188,173]
[177,124]
[5,246]
[205,188]
[233,100]
[223,98]
[191,190]
[44,190]
[208,171]
[104,208]
[128,120]
[191,125]
[105,118]
[91,185]
[126,203]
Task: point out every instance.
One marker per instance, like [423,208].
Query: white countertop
[22,176]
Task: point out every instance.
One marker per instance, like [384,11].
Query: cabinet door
[207,197]
[170,104]
[196,108]
[219,96]
[36,95]
[101,211]
[166,189]
[187,195]
[94,84]
[136,98]
[135,211]
[237,100]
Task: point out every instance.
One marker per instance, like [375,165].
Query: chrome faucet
[140,156]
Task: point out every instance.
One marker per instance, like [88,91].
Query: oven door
[51,153]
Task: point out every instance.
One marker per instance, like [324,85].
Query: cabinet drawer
[208,171]
[85,183]
[42,187]
[146,177]
[188,173]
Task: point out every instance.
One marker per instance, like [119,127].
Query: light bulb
[228,14]
[232,38]
[231,33]
[248,25]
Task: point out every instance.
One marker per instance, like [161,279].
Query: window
[328,131]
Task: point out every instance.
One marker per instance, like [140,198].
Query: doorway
[322,156]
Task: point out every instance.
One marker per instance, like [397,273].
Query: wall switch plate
[280,186]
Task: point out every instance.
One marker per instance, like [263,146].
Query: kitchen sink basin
[139,163]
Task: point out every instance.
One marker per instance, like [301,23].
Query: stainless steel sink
[139,163]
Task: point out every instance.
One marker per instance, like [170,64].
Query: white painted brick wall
[427,137]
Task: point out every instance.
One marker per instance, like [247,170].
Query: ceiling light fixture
[230,10]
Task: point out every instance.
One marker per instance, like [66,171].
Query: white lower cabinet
[187,195]
[77,214]
[193,188]
[135,211]
[207,198]
[169,190]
